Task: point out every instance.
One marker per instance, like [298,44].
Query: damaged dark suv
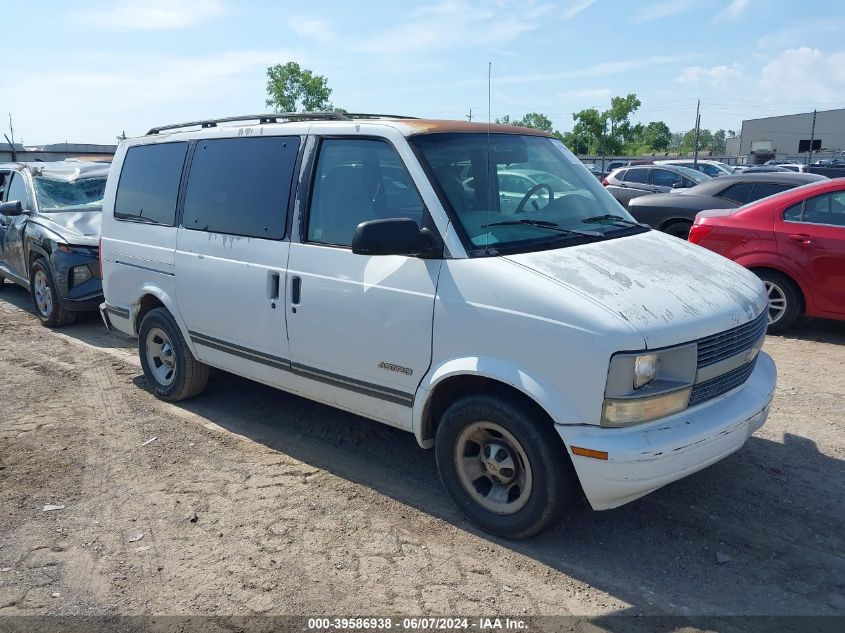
[49,235]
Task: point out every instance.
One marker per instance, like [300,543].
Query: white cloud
[576,7]
[661,9]
[714,76]
[143,91]
[805,73]
[451,24]
[734,9]
[311,28]
[153,14]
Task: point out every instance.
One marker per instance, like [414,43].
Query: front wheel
[678,229]
[784,300]
[169,367]
[45,299]
[505,468]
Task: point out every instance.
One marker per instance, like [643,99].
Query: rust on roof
[438,126]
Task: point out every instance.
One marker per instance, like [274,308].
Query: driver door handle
[803,238]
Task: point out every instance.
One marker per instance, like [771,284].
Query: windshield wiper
[615,218]
[544,224]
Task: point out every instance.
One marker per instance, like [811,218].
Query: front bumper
[643,458]
[89,294]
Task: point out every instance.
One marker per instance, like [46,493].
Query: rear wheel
[506,469]
[784,300]
[45,299]
[678,229]
[169,367]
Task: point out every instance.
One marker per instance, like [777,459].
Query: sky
[87,71]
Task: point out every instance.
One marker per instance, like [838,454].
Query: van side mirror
[12,208]
[392,236]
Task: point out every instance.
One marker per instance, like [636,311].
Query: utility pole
[697,128]
[812,138]
[469,116]
[12,141]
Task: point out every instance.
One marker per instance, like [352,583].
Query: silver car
[632,182]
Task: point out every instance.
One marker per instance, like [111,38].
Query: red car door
[811,238]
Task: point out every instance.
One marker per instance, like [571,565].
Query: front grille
[719,385]
[717,347]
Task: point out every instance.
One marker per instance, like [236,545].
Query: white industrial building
[791,134]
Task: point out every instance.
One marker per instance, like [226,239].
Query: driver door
[12,229]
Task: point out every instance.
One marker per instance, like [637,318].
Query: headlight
[645,386]
[645,369]
[635,410]
[79,275]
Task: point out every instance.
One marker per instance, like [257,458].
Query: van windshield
[519,192]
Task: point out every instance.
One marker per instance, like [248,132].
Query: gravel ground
[252,501]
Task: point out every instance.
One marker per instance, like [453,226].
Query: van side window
[357,181]
[149,183]
[241,186]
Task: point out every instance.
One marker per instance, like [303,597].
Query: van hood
[75,227]
[671,291]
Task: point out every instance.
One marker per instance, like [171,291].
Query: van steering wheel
[521,206]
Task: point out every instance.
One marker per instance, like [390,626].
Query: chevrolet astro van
[546,348]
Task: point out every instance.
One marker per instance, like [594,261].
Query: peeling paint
[670,290]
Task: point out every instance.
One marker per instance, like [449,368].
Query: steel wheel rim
[43,296]
[493,467]
[161,357]
[777,302]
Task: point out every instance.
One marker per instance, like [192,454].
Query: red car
[794,241]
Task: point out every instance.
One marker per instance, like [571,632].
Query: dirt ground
[301,509]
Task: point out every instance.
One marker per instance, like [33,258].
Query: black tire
[554,483]
[678,229]
[54,314]
[189,375]
[2,283]
[780,286]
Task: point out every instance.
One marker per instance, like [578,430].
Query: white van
[545,348]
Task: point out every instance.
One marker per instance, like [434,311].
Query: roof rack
[277,117]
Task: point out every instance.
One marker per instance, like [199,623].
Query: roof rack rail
[277,117]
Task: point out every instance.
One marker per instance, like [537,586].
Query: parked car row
[475,286]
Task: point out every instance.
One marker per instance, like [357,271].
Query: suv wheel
[506,470]
[45,300]
[784,300]
[169,367]
[678,229]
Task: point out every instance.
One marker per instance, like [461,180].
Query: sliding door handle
[295,290]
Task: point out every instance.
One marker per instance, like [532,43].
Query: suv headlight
[645,386]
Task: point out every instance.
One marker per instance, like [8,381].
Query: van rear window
[241,186]
[149,183]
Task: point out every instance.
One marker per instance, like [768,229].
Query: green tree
[291,88]
[533,120]
[657,136]
[590,125]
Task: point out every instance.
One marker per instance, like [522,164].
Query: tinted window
[240,186]
[665,178]
[710,170]
[149,183]
[637,176]
[18,191]
[764,189]
[793,213]
[826,209]
[620,175]
[739,193]
[357,181]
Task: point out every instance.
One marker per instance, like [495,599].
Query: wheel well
[671,221]
[800,292]
[451,389]
[148,302]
